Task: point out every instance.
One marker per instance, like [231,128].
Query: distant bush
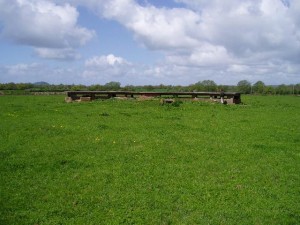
[242,86]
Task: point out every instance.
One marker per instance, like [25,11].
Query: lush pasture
[136,162]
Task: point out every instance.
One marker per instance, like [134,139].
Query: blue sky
[138,42]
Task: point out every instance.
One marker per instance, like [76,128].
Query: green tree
[223,87]
[209,85]
[259,87]
[10,86]
[79,87]
[270,90]
[282,89]
[149,87]
[244,86]
[95,87]
[206,85]
[112,86]
[129,88]
[196,87]
[296,88]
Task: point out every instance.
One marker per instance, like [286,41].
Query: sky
[150,42]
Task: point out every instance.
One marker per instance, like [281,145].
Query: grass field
[137,162]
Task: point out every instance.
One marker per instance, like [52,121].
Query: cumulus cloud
[206,55]
[228,36]
[106,61]
[43,24]
[226,41]
[106,67]
[156,28]
[250,26]
[238,25]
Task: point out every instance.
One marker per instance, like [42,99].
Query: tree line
[242,86]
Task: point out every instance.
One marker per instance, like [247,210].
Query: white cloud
[106,67]
[225,41]
[206,55]
[58,54]
[43,24]
[236,68]
[22,68]
[105,61]
[222,35]
[158,28]
[21,72]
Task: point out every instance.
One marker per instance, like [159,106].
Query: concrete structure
[229,97]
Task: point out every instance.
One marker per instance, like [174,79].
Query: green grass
[137,162]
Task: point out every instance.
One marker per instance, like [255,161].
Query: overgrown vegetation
[139,162]
[243,86]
